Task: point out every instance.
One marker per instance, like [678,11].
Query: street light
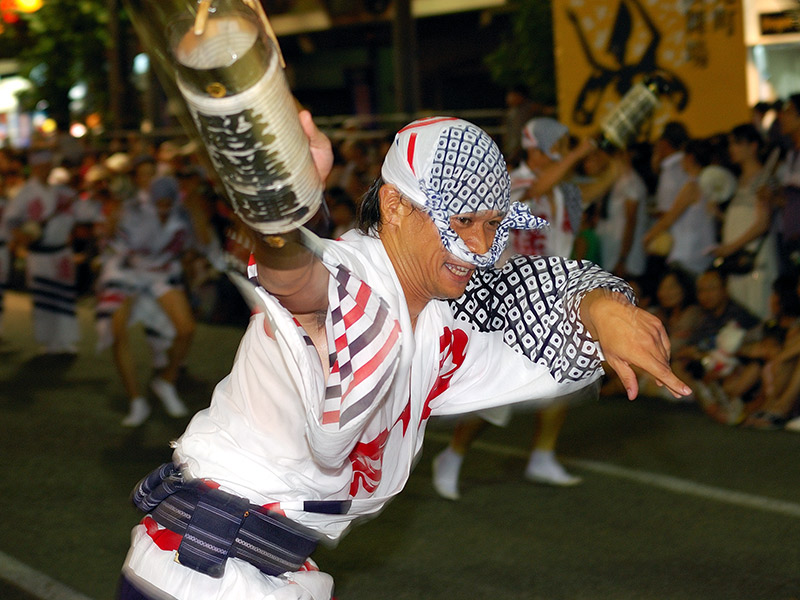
[27,6]
[10,9]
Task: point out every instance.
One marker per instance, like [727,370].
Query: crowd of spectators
[706,229]
[722,264]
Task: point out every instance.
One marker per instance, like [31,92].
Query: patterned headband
[449,167]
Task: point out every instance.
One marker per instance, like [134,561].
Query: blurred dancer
[142,271]
[42,219]
[540,182]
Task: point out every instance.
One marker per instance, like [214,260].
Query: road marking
[691,488]
[664,482]
[35,583]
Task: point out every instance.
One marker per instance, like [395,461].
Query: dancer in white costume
[541,183]
[141,279]
[324,411]
[41,218]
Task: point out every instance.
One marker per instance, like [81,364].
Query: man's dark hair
[368,217]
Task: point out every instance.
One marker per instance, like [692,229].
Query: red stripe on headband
[426,122]
[412,142]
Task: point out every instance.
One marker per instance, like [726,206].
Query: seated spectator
[718,310]
[587,245]
[677,308]
[779,402]
[676,305]
[731,398]
[723,326]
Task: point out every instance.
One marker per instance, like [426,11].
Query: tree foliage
[66,43]
[526,55]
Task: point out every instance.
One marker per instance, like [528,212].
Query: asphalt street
[672,506]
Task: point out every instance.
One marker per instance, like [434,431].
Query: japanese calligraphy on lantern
[603,47]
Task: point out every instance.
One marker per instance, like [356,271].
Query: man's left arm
[554,311]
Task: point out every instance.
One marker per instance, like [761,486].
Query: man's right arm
[291,273]
[288,269]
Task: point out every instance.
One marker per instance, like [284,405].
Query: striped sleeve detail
[364,343]
[366,349]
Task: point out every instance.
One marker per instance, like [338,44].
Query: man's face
[711,293]
[426,269]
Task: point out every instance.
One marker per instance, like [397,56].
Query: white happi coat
[49,264]
[278,434]
[142,260]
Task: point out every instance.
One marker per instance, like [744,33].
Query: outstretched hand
[630,337]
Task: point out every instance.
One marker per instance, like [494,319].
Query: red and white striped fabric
[365,351]
[365,346]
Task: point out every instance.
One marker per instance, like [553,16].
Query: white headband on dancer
[450,167]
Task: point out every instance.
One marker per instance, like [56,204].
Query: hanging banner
[603,47]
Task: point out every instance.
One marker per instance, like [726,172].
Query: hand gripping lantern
[228,69]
